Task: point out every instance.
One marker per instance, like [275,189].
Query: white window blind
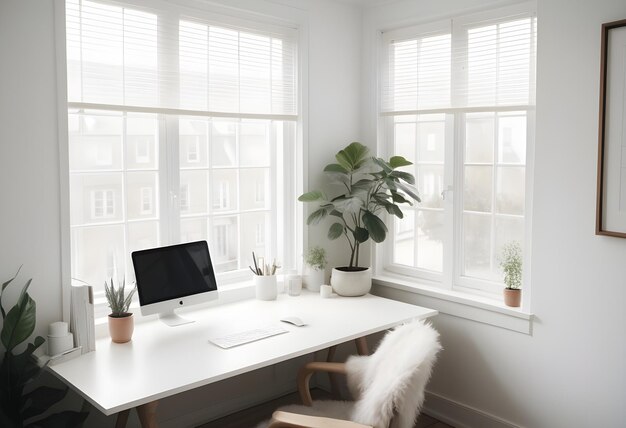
[125,55]
[460,63]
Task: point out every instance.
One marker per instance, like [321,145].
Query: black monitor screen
[172,272]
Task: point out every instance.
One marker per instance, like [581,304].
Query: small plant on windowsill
[121,322]
[511,264]
[315,259]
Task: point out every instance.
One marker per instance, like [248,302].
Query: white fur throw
[390,380]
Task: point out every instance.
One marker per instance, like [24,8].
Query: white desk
[161,361]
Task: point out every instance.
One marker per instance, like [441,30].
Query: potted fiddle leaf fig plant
[21,404]
[511,264]
[370,188]
[121,322]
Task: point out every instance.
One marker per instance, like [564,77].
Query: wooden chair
[388,385]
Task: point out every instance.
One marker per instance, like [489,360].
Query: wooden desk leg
[122,418]
[361,346]
[147,414]
[332,377]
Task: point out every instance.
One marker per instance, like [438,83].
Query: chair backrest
[389,384]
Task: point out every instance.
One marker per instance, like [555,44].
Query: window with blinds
[178,120]
[457,97]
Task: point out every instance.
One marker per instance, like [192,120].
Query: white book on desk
[82,322]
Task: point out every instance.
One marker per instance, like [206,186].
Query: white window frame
[289,214]
[450,279]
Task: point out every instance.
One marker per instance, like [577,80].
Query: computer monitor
[174,277]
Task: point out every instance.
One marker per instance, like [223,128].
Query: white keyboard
[247,336]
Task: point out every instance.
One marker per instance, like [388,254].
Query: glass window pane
[476,245]
[512,139]
[404,239]
[254,143]
[477,188]
[254,188]
[224,190]
[430,234]
[431,140]
[224,243]
[193,229]
[429,182]
[192,198]
[96,198]
[510,190]
[508,229]
[141,195]
[223,143]
[142,142]
[97,143]
[193,150]
[141,235]
[405,140]
[479,138]
[95,263]
[255,233]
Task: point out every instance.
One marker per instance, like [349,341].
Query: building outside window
[458,100]
[159,100]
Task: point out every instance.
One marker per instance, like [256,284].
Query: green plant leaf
[61,420]
[41,399]
[408,177]
[316,216]
[399,199]
[335,231]
[375,226]
[350,204]
[384,165]
[4,286]
[409,190]
[398,161]
[19,322]
[333,167]
[361,234]
[312,196]
[352,157]
[394,210]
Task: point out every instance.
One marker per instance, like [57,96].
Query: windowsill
[463,305]
[232,292]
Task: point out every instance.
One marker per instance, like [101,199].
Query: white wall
[572,371]
[29,161]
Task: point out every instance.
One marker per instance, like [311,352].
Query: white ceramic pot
[313,278]
[266,287]
[351,283]
[326,291]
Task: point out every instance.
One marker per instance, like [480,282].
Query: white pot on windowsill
[313,278]
[351,282]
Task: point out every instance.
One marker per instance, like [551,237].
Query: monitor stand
[173,319]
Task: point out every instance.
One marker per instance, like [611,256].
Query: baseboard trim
[460,415]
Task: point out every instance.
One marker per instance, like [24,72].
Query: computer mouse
[293,320]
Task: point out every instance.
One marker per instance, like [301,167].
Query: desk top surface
[161,361]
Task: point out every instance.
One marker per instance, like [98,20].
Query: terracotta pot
[351,283]
[121,328]
[512,297]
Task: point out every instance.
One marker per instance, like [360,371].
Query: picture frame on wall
[611,192]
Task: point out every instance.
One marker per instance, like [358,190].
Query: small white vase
[266,287]
[351,283]
[326,291]
[313,278]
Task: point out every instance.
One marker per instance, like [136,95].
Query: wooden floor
[250,417]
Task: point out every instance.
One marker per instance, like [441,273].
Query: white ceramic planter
[326,291]
[353,283]
[313,278]
[266,287]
